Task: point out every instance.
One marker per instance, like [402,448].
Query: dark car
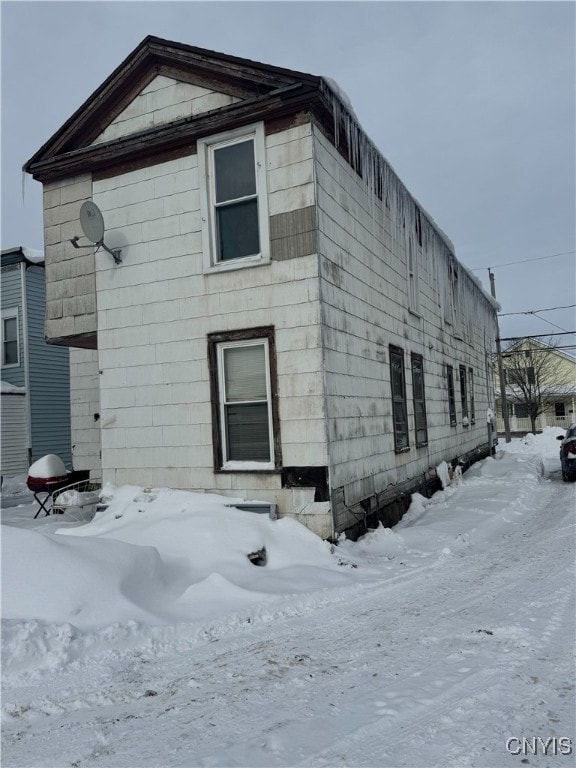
[568,453]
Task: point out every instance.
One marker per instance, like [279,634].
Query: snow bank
[11,389]
[161,567]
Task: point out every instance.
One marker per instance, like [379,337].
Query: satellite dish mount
[92,224]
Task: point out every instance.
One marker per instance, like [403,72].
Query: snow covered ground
[146,637]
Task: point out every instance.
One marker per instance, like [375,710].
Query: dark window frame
[418,388]
[226,337]
[399,403]
[451,395]
[463,391]
[10,315]
[471,395]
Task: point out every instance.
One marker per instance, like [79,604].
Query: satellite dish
[92,223]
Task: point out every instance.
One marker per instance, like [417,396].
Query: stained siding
[12,299]
[85,410]
[163,101]
[49,378]
[156,309]
[364,290]
[70,277]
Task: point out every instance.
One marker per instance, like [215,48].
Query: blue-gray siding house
[39,371]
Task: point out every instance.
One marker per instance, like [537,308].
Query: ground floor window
[451,396]
[245,422]
[471,390]
[520,410]
[420,424]
[463,394]
[560,410]
[398,385]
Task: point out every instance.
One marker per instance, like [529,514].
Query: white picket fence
[524,425]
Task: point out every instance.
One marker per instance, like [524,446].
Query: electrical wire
[533,311]
[524,261]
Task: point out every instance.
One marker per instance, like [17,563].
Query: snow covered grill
[47,475]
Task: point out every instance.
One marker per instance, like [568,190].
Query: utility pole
[503,399]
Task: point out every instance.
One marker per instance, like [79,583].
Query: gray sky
[473,104]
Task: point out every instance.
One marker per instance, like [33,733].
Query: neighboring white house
[540,377]
[287,322]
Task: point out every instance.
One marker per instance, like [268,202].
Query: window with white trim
[10,343]
[244,406]
[233,198]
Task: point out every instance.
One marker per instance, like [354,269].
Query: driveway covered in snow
[446,641]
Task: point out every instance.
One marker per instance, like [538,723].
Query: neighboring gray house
[287,322]
[35,375]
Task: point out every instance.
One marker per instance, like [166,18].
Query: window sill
[415,313]
[234,264]
[402,450]
[248,466]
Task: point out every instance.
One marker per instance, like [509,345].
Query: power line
[538,335]
[549,323]
[524,261]
[533,311]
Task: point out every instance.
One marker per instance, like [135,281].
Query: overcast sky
[473,104]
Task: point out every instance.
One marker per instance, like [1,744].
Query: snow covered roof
[19,253]
[11,389]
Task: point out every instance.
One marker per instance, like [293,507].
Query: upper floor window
[412,263]
[10,346]
[398,386]
[233,198]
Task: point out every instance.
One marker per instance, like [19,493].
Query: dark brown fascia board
[185,131]
[79,340]
[153,56]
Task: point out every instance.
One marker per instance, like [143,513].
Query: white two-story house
[287,323]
